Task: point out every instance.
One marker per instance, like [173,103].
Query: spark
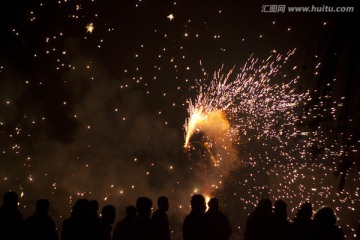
[171,17]
[90,28]
[207,199]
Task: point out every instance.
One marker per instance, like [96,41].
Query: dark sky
[100,114]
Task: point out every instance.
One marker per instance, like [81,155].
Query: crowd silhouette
[266,222]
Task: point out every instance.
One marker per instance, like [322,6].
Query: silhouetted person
[217,224]
[281,226]
[325,225]
[160,221]
[194,227]
[78,226]
[125,229]
[259,222]
[41,226]
[143,228]
[11,220]
[108,214]
[303,225]
[358,232]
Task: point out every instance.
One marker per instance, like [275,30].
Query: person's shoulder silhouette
[125,228]
[259,222]
[160,221]
[93,210]
[217,224]
[108,214]
[325,225]
[143,228]
[94,220]
[281,228]
[41,226]
[11,220]
[194,226]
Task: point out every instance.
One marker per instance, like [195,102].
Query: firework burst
[256,100]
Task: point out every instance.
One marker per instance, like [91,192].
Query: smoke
[92,138]
[214,149]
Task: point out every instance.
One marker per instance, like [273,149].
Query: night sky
[94,95]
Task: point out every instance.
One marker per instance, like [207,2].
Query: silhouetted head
[81,208]
[305,211]
[265,205]
[163,203]
[11,200]
[280,207]
[108,214]
[198,203]
[131,212]
[143,206]
[213,204]
[325,216]
[42,206]
[93,206]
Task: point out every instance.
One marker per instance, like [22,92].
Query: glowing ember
[90,27]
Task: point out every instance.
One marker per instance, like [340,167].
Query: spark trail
[256,100]
[261,111]
[258,104]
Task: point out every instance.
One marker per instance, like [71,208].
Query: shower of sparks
[258,106]
[253,101]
